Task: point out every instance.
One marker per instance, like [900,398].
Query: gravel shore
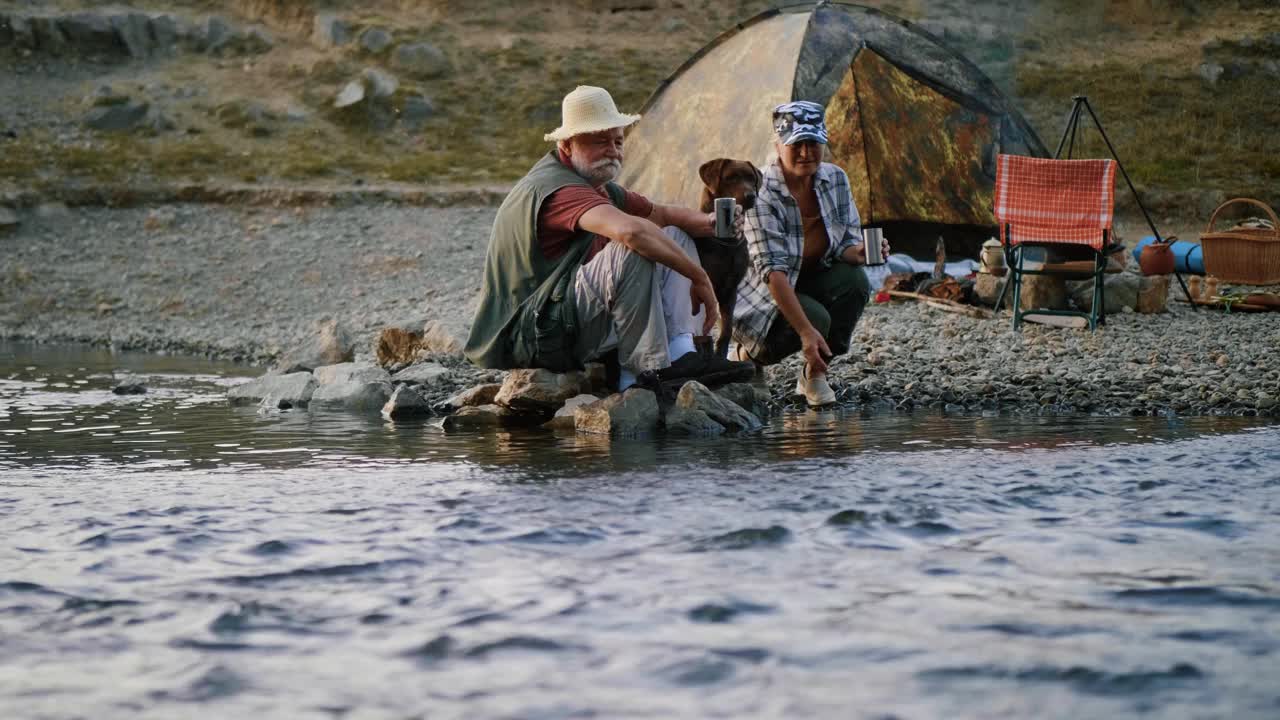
[250,282]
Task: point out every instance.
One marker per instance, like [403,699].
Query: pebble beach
[249,283]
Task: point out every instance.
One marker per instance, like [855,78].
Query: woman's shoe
[815,388]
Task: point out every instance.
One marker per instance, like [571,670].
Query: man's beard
[599,172]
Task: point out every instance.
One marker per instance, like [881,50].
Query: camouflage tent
[915,125]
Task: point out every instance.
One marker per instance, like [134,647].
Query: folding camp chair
[1065,203]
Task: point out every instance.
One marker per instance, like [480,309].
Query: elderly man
[578,267]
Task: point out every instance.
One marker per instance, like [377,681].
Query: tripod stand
[1069,140]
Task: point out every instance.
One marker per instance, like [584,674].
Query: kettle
[992,257]
[1157,258]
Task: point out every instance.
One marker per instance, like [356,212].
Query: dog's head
[723,177]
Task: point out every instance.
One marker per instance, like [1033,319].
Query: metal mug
[873,241]
[724,217]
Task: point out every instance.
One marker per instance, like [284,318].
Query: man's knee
[635,275]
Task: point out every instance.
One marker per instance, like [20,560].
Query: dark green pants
[833,299]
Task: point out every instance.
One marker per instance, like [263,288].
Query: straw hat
[586,110]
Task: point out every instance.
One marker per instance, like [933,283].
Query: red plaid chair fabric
[1054,201]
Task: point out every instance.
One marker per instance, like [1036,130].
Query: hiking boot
[704,367]
[815,388]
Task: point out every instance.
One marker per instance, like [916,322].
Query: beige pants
[635,305]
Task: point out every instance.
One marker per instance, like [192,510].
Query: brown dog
[726,260]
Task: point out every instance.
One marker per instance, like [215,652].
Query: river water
[167,556]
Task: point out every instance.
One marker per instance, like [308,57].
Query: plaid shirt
[775,240]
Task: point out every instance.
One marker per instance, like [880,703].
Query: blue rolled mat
[1187,256]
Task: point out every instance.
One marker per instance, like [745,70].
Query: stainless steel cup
[724,217]
[874,243]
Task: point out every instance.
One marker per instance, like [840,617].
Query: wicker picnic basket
[1250,256]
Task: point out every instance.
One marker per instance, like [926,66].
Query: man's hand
[702,295]
[815,351]
[739,216]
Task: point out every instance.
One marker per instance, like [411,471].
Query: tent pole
[1082,100]
[1073,117]
[862,124]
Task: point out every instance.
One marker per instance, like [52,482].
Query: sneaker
[815,389]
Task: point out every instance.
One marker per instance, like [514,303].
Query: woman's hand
[857,255]
[815,351]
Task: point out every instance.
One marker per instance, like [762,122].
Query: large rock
[219,35]
[332,344]
[49,37]
[415,111]
[249,115]
[1047,292]
[375,40]
[134,30]
[8,221]
[397,346]
[987,287]
[479,417]
[406,402]
[256,39]
[686,421]
[540,391]
[117,118]
[437,340]
[21,33]
[1153,294]
[751,398]
[329,30]
[92,34]
[472,397]
[165,33]
[632,413]
[422,60]
[427,374]
[1120,291]
[694,395]
[366,100]
[293,390]
[356,386]
[379,84]
[563,419]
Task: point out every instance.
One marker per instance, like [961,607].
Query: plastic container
[1188,257]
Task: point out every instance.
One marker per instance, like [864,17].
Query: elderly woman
[805,289]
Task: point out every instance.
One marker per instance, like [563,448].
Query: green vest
[526,316]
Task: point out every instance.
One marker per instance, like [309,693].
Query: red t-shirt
[558,218]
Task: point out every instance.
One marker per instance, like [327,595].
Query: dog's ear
[759,175]
[710,172]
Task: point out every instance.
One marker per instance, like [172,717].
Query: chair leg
[1098,310]
[1016,274]
[1102,293]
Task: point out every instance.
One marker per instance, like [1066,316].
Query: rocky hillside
[445,92]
